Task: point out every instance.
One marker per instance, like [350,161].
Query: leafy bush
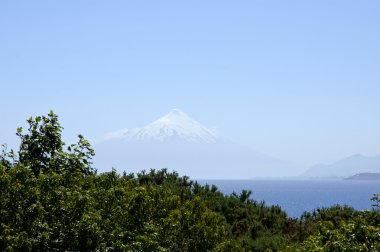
[52,199]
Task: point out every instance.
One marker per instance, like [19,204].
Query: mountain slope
[347,167]
[180,143]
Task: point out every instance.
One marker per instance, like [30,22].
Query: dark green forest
[53,199]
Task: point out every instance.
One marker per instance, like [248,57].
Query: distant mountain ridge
[180,143]
[347,167]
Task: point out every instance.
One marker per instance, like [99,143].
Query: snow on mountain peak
[175,125]
[175,115]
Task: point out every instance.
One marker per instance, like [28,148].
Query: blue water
[297,196]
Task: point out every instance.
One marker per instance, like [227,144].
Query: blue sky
[298,80]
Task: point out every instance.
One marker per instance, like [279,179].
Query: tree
[41,148]
[53,200]
[353,235]
[7,158]
[376,201]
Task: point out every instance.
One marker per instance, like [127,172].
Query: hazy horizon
[295,81]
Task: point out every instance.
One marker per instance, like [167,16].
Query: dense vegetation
[52,199]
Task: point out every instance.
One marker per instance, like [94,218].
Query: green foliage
[53,200]
[7,159]
[354,235]
[42,148]
[337,228]
[73,212]
[376,201]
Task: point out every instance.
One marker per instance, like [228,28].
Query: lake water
[297,196]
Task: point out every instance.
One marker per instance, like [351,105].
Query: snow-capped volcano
[174,126]
[177,142]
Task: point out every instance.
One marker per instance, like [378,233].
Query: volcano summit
[175,125]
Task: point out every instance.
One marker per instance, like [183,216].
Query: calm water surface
[297,196]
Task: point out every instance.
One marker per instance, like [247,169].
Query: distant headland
[365,176]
